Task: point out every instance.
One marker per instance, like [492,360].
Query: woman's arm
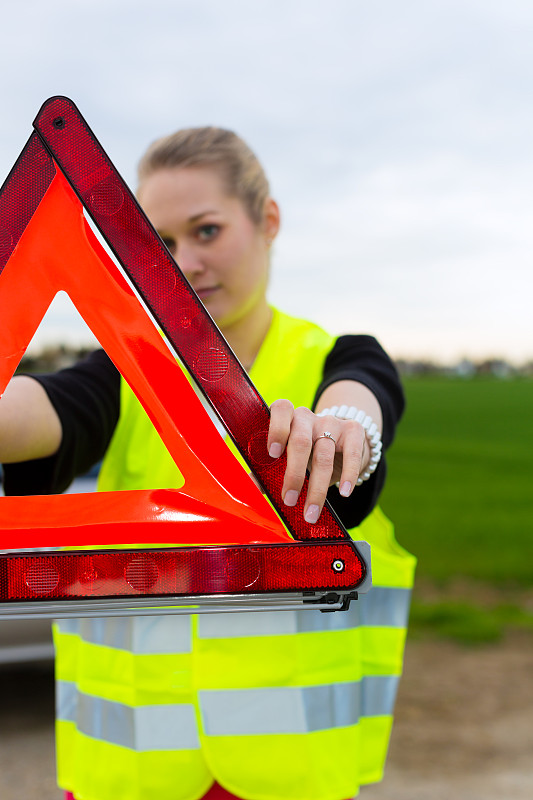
[70,417]
[29,425]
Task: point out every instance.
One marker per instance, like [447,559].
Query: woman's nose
[188,260]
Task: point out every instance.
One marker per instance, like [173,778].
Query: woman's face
[222,252]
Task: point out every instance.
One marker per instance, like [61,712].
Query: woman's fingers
[330,448]
[340,456]
[320,474]
[299,448]
[281,413]
[354,452]
[291,430]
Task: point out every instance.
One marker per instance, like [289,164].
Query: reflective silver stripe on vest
[66,700]
[68,625]
[139,635]
[378,695]
[279,710]
[158,727]
[381,607]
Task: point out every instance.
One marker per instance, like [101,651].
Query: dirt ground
[464,727]
[464,724]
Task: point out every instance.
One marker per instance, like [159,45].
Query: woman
[273,705]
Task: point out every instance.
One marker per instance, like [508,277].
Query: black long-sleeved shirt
[87,400]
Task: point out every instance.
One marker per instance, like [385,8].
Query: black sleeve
[362,359]
[87,400]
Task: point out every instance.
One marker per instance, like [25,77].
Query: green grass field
[459,487]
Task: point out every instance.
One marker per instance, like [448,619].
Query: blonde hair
[218,149]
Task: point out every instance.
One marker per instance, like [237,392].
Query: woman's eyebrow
[196,217]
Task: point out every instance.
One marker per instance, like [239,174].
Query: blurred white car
[31,639]
[25,640]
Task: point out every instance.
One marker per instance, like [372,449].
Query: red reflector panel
[182,571]
[21,194]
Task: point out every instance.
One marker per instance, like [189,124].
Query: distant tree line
[54,357]
[466,368]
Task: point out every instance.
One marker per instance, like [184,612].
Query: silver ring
[325,435]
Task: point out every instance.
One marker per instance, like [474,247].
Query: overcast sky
[398,137]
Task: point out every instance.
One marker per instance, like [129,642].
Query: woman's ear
[271,220]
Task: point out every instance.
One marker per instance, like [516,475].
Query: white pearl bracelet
[373,436]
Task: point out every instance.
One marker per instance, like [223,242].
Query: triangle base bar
[185,571]
[332,601]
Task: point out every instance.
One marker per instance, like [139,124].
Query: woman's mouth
[205,292]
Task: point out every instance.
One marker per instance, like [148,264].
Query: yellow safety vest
[292,705]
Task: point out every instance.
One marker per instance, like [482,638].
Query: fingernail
[275,450]
[291,498]
[311,515]
[345,489]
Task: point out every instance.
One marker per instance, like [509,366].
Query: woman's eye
[169,243]
[207,232]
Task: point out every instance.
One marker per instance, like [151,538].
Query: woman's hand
[340,456]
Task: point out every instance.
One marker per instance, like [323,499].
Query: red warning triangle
[47,245]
